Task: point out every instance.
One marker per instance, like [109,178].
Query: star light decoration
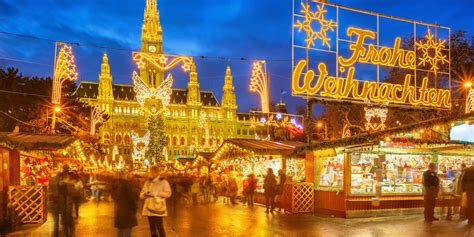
[374,113]
[432,52]
[64,69]
[324,25]
[259,84]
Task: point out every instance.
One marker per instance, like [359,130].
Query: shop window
[251,132]
[331,171]
[244,131]
[182,141]
[118,139]
[396,173]
[106,139]
[203,141]
[218,141]
[450,168]
[210,141]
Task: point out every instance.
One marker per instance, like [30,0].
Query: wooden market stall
[240,157]
[381,173]
[26,162]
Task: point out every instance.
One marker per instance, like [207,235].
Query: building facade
[194,119]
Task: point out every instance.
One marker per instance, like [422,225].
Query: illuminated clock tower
[152,42]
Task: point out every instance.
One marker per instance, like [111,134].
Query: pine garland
[154,153]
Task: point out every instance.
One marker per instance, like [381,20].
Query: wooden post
[308,127]
[309,166]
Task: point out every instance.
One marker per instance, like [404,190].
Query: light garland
[318,16]
[160,61]
[277,120]
[64,69]
[259,84]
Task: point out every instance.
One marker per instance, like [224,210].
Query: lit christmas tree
[154,153]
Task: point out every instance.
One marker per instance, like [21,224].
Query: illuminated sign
[328,53]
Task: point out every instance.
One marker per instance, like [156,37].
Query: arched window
[175,141]
[218,141]
[167,140]
[106,139]
[203,141]
[126,139]
[210,141]
[118,139]
[182,141]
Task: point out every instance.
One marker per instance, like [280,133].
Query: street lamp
[320,125]
[56,109]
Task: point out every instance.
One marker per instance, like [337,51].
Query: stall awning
[245,147]
[36,141]
[376,137]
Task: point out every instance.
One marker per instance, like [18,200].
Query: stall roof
[376,137]
[236,147]
[36,141]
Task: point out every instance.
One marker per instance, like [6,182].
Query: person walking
[77,193]
[280,189]
[125,198]
[155,191]
[269,187]
[54,206]
[467,184]
[431,189]
[245,190]
[233,189]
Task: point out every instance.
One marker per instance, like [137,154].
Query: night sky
[225,31]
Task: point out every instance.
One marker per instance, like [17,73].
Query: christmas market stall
[241,157]
[380,173]
[27,161]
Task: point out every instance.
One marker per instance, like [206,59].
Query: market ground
[219,219]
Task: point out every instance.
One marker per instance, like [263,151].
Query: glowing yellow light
[437,128]
[452,124]
[143,92]
[319,124]
[64,69]
[259,84]
[373,113]
[387,139]
[324,24]
[96,118]
[339,88]
[470,101]
[160,61]
[57,109]
[422,131]
[468,84]
[432,51]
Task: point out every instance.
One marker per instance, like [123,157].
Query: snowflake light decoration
[432,51]
[310,17]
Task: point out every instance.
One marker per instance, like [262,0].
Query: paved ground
[220,219]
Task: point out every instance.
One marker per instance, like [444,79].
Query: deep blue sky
[258,29]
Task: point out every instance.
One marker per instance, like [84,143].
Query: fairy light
[432,51]
[160,61]
[144,92]
[259,84]
[64,69]
[96,118]
[140,145]
[374,113]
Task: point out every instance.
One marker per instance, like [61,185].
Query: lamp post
[56,110]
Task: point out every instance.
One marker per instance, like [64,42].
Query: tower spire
[105,82]
[152,33]
[228,95]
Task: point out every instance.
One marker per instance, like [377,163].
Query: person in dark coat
[54,204]
[270,189]
[467,184]
[126,204]
[431,189]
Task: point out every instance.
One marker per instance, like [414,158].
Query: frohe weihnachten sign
[346,54]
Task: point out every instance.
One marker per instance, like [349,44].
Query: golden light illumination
[64,69]
[144,92]
[259,84]
[468,84]
[160,61]
[470,101]
[341,88]
[432,51]
[96,118]
[342,84]
[57,109]
[324,25]
[374,113]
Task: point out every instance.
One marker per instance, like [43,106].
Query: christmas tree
[154,153]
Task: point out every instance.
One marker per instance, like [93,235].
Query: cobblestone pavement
[220,219]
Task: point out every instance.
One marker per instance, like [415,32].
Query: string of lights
[134,50]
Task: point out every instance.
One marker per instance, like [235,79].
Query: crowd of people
[463,191]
